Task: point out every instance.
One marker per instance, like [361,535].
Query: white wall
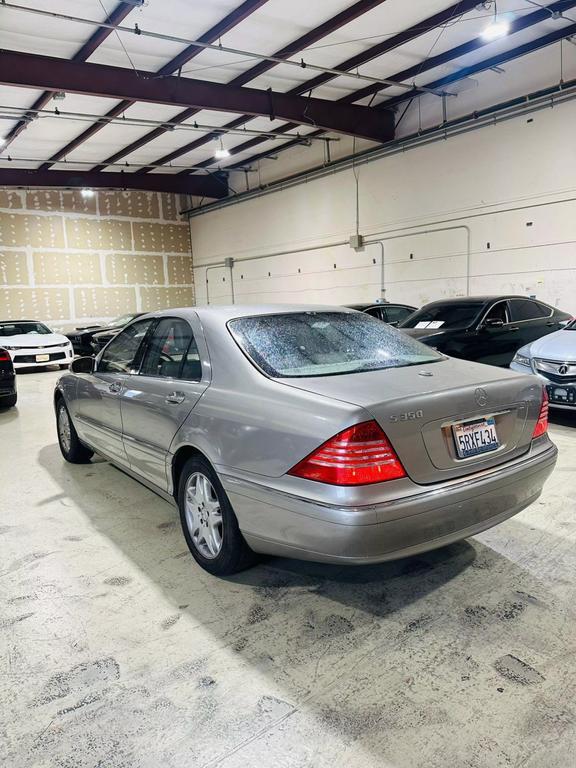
[504,195]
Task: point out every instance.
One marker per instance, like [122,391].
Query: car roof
[233,311]
[362,307]
[482,299]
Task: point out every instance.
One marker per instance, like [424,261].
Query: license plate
[475,438]
[42,358]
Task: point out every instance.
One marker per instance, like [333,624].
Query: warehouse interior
[165,154]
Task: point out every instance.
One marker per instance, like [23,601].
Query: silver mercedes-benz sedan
[307,431]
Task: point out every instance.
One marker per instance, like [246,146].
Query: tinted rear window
[449,315]
[301,344]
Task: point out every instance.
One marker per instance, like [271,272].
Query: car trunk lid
[419,406]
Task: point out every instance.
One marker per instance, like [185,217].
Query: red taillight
[542,424]
[4,356]
[360,455]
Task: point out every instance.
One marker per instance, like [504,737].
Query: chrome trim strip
[541,458]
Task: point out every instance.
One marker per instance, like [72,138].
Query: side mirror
[83,365]
[492,324]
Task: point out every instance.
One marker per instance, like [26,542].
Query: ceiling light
[86,193]
[2,142]
[221,153]
[497,28]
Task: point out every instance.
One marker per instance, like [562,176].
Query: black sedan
[485,329]
[8,395]
[393,314]
[81,337]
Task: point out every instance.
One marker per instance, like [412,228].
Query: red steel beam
[302,42]
[432,22]
[213,185]
[53,74]
[432,62]
[214,33]
[116,17]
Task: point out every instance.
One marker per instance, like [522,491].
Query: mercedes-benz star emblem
[481,397]
[563,370]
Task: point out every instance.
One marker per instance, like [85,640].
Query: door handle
[550,324]
[175,397]
[515,328]
[115,387]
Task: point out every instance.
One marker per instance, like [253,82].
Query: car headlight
[522,360]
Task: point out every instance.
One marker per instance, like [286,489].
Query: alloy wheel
[203,515]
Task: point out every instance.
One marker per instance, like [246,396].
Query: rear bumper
[281,524]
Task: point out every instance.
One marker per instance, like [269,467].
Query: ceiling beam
[214,185]
[53,74]
[432,22]
[309,38]
[116,17]
[214,33]
[446,57]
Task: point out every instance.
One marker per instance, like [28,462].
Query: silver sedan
[553,359]
[307,431]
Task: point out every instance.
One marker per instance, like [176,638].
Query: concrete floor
[117,651]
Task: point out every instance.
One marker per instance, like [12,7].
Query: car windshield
[120,321]
[301,344]
[16,329]
[449,315]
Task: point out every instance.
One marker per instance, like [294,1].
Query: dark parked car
[8,394]
[393,314]
[81,337]
[485,329]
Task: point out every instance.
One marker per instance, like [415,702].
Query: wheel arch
[179,459]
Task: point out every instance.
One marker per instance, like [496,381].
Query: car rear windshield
[15,329]
[449,315]
[301,344]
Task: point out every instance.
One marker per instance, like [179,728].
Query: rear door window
[172,352]
[526,309]
[397,314]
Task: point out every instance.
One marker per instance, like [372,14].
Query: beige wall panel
[135,269]
[165,238]
[138,205]
[36,231]
[104,302]
[99,234]
[170,206]
[164,298]
[53,267]
[180,270]
[60,200]
[13,268]
[10,199]
[35,303]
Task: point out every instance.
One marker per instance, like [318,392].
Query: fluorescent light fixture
[497,28]
[86,192]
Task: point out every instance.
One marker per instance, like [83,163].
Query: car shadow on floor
[343,644]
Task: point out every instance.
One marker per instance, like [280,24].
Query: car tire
[9,401]
[211,532]
[71,447]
